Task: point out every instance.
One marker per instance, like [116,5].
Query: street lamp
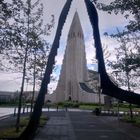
[116,83]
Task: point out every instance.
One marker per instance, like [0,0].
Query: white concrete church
[74,70]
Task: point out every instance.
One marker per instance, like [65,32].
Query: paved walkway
[58,127]
[85,126]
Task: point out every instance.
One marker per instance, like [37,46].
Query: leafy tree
[37,63]
[6,12]
[135,57]
[12,39]
[131,11]
[35,117]
[125,62]
[128,8]
[21,36]
[125,68]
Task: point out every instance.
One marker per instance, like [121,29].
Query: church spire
[74,68]
[75,28]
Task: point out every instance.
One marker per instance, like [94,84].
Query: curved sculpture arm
[35,117]
[86,88]
[108,87]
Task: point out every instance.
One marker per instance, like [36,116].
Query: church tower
[74,69]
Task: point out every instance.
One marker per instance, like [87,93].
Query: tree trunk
[35,117]
[34,77]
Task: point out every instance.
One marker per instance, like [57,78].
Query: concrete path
[58,127]
[86,126]
[89,127]
[6,111]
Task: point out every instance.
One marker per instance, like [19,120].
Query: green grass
[43,120]
[135,120]
[10,131]
[137,123]
[120,108]
[91,107]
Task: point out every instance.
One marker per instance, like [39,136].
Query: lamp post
[116,77]
[99,90]
[95,84]
[130,107]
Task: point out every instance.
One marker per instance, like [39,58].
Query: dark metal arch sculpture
[84,87]
[35,117]
[108,87]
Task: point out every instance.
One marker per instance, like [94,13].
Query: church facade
[74,70]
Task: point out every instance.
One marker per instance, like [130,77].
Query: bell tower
[74,68]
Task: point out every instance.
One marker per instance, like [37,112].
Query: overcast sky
[107,23]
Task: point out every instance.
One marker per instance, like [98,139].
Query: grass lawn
[10,131]
[135,120]
[90,107]
[114,108]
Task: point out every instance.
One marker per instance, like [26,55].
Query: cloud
[90,49]
[52,86]
[107,23]
[9,76]
[7,85]
[10,82]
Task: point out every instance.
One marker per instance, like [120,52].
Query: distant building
[74,71]
[27,95]
[7,96]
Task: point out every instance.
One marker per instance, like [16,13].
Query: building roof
[76,24]
[7,93]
